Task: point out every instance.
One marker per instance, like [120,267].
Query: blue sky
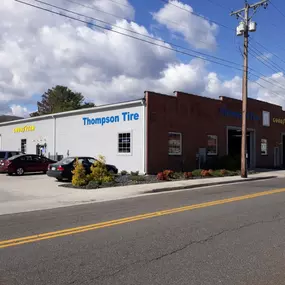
[40,50]
[269,32]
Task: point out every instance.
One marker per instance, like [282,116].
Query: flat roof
[76,112]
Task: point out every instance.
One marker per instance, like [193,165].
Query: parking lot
[36,192]
[32,192]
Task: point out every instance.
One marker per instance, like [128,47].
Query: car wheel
[59,179]
[20,171]
[10,173]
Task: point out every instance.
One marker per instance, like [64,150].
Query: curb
[242,180]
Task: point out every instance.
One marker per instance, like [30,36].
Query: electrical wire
[142,40]
[262,46]
[197,15]
[269,63]
[276,8]
[137,33]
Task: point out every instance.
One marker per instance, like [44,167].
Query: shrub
[168,174]
[211,172]
[196,173]
[124,172]
[99,172]
[161,176]
[136,173]
[223,172]
[217,173]
[79,177]
[177,175]
[188,175]
[205,173]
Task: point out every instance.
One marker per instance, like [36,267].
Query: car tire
[20,171]
[59,179]
[10,173]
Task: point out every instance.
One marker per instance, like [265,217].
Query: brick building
[157,132]
[186,131]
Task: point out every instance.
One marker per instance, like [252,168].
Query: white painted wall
[42,134]
[71,135]
[92,140]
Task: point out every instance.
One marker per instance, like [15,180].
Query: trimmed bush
[136,173]
[196,173]
[124,172]
[188,175]
[99,172]
[79,177]
[168,174]
[161,176]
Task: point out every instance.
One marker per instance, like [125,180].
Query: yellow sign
[279,121]
[24,129]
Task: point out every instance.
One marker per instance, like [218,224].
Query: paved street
[225,238]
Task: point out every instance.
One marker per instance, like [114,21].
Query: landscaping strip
[164,189]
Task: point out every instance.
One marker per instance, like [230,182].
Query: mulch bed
[127,180]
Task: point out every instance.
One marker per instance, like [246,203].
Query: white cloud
[197,31]
[40,50]
[19,111]
[265,56]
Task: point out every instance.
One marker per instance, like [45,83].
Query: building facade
[180,132]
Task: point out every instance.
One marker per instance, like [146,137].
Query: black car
[63,169]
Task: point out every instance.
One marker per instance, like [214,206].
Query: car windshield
[67,160]
[14,157]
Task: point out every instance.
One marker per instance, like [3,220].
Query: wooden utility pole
[246,26]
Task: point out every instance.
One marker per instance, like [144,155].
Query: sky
[191,47]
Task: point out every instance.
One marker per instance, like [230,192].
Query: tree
[60,99]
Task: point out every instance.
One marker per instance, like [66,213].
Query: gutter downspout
[144,136]
[54,136]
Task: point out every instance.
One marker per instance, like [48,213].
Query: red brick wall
[196,117]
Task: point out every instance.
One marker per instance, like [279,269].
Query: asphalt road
[231,242]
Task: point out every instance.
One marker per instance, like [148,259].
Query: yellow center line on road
[91,227]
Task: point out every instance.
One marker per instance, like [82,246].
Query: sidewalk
[28,198]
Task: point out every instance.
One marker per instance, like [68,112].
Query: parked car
[63,169]
[22,163]
[4,155]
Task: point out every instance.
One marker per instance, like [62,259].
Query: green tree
[60,99]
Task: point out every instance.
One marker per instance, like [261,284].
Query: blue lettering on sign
[125,116]
[238,115]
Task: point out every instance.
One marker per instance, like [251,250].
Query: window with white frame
[266,118]
[174,143]
[124,142]
[264,147]
[23,145]
[212,145]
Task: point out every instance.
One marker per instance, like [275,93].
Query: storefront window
[212,148]
[263,147]
[124,143]
[174,143]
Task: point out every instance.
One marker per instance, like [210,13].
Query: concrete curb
[165,189]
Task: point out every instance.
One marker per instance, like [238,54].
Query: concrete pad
[39,192]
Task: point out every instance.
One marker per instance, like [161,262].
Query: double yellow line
[91,227]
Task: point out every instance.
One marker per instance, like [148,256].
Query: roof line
[74,112]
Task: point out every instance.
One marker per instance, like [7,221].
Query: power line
[260,57]
[220,5]
[134,32]
[262,46]
[197,15]
[276,8]
[146,41]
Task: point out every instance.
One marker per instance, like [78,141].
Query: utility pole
[246,26]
